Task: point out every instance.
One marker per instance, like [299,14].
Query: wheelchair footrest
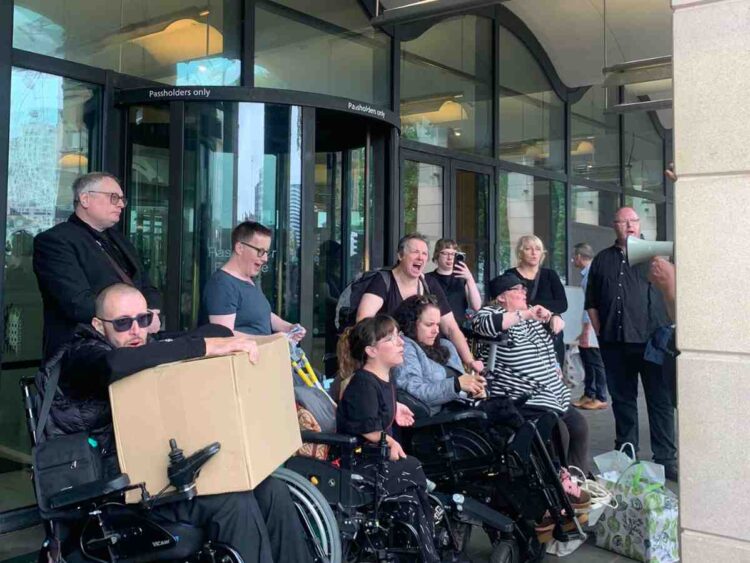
[484,513]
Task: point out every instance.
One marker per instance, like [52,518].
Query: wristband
[519,317]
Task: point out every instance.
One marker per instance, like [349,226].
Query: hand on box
[232,344]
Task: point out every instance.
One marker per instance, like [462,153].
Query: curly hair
[407,315]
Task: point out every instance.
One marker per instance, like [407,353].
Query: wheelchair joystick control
[175,454]
[182,471]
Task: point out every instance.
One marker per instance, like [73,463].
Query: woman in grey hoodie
[432,370]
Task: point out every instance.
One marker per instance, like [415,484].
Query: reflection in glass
[527,205]
[148,188]
[642,154]
[595,139]
[446,86]
[652,214]
[594,207]
[242,162]
[53,139]
[322,47]
[472,232]
[341,221]
[180,42]
[532,116]
[422,193]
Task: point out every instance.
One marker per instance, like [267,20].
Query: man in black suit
[75,260]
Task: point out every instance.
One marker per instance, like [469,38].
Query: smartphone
[460,257]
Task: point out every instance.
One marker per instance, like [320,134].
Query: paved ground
[602,432]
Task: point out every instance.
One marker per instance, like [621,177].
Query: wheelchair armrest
[330,438]
[89,491]
[447,417]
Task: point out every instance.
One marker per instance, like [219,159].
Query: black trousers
[570,438]
[262,525]
[624,362]
[595,381]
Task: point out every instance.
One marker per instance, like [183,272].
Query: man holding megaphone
[625,310]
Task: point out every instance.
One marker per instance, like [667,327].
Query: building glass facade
[339,136]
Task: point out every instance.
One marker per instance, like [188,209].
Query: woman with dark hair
[431,371]
[368,408]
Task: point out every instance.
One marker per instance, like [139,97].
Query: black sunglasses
[123,324]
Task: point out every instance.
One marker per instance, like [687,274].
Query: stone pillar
[712,229]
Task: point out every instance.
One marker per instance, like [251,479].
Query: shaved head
[109,296]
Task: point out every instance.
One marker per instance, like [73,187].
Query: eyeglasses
[261,251]
[447,253]
[123,324]
[114,198]
[519,288]
[627,221]
[392,337]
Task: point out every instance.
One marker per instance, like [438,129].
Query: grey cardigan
[426,379]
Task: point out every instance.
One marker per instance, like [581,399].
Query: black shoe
[671,473]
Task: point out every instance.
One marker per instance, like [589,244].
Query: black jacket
[71,268]
[89,364]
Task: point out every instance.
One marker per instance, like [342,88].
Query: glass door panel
[54,124]
[342,221]
[147,188]
[472,194]
[242,162]
[422,189]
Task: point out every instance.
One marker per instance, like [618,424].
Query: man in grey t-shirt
[231,297]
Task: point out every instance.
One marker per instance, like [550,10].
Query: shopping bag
[644,526]
[573,372]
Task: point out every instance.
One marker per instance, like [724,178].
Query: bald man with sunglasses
[261,525]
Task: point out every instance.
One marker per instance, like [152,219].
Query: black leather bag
[61,462]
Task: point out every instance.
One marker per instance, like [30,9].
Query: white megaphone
[640,250]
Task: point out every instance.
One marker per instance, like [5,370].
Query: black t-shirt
[368,405]
[455,292]
[392,298]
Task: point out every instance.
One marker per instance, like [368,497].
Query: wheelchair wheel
[316,515]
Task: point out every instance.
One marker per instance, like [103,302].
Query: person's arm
[396,452]
[490,322]
[91,367]
[223,320]
[594,316]
[412,378]
[221,301]
[280,325]
[591,297]
[558,301]
[473,298]
[61,277]
[373,298]
[449,327]
[662,275]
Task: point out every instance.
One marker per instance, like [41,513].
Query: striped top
[527,365]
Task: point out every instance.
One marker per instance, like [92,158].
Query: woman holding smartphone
[455,278]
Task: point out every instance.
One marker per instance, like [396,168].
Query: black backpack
[348,303]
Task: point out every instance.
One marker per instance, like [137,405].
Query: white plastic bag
[573,372]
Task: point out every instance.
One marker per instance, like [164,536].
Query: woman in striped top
[526,365]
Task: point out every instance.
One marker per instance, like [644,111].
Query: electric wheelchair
[91,522]
[369,528]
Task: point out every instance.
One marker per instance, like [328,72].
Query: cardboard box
[248,408]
